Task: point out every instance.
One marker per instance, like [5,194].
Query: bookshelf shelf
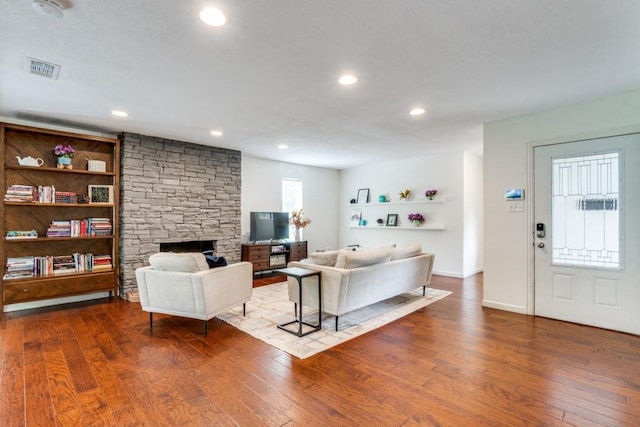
[37,257]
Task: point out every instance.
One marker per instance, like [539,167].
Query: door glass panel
[585,210]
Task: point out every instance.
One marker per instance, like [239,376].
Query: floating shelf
[408,202]
[426,227]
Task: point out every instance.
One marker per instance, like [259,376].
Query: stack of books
[99,227]
[59,228]
[102,262]
[19,268]
[65,197]
[20,234]
[20,193]
[63,264]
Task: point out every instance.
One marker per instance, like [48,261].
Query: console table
[270,256]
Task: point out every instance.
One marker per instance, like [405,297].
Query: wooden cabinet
[96,248]
[270,256]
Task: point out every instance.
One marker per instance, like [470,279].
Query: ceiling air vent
[42,68]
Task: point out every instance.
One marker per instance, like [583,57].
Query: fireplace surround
[175,192]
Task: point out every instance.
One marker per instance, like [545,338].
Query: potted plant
[430,194]
[65,154]
[416,218]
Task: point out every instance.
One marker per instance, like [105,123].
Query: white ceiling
[270,75]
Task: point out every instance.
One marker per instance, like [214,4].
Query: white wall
[506,143]
[473,235]
[443,172]
[262,191]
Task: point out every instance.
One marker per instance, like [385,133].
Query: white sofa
[355,279]
[182,284]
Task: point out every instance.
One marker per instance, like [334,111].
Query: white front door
[587,206]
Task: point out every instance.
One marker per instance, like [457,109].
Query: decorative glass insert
[586,210]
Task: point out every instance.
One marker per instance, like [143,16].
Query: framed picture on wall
[101,194]
[392,220]
[363,195]
[356,216]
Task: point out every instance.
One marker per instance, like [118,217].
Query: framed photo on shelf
[363,195]
[392,220]
[356,216]
[101,194]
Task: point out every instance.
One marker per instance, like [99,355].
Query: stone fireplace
[174,192]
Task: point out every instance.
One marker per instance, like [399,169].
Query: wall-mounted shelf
[425,227]
[408,202]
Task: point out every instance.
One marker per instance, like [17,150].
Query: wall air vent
[41,68]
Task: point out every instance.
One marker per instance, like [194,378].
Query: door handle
[541,245]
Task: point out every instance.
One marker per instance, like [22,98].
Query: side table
[299,274]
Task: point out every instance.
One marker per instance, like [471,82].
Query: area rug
[270,306]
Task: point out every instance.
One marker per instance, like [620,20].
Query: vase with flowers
[65,154]
[431,194]
[416,218]
[298,221]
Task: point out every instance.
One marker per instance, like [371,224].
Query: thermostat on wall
[514,194]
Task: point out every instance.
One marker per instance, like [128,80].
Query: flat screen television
[269,226]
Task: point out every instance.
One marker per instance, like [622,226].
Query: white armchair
[182,284]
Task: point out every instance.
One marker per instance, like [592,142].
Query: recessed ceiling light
[120,113]
[212,16]
[283,146]
[348,79]
[216,132]
[49,7]
[417,111]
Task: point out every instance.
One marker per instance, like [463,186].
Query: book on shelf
[20,193]
[19,268]
[22,234]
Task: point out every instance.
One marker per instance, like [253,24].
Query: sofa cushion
[184,262]
[357,259]
[412,250]
[327,258]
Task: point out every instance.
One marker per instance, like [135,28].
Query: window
[586,210]
[291,196]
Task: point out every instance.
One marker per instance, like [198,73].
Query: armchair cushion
[188,262]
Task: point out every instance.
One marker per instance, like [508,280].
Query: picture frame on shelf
[363,195]
[356,216]
[392,220]
[101,194]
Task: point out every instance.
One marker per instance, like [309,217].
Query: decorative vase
[430,197]
[64,163]
[296,234]
[416,223]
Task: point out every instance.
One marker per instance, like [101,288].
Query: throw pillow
[412,250]
[364,258]
[185,262]
[327,258]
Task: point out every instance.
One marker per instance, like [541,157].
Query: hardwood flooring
[452,363]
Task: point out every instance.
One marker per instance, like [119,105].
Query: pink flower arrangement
[63,150]
[416,217]
[430,193]
[297,219]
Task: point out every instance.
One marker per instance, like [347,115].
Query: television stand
[271,256]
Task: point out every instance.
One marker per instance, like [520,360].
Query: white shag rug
[270,306]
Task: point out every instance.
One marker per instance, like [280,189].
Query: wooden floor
[452,363]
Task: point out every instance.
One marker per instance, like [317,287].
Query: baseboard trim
[456,275]
[505,307]
[54,301]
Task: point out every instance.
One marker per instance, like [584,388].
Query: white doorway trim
[530,308]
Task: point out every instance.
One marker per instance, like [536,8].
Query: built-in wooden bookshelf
[17,141]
